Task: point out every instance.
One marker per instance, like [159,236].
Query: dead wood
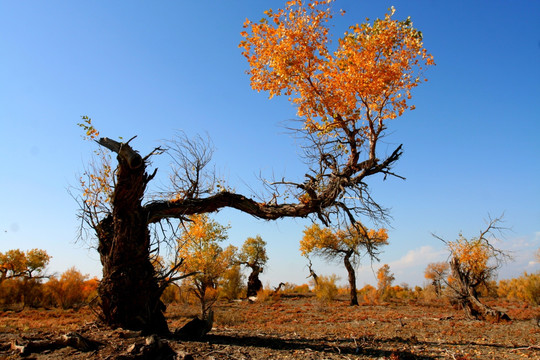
[196,328]
[151,348]
[72,339]
[278,288]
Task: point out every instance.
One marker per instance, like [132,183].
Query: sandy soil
[294,327]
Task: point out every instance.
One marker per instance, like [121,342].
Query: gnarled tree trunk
[129,291]
[467,297]
[254,284]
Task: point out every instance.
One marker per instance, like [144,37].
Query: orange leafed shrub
[72,289]
[525,288]
[326,288]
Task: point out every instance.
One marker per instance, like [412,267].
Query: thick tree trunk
[352,279]
[254,284]
[129,291]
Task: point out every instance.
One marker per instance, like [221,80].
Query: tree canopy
[344,97]
[26,264]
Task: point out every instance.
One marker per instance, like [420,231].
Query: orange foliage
[384,281]
[368,78]
[437,273]
[473,255]
[253,253]
[525,288]
[199,247]
[73,289]
[19,264]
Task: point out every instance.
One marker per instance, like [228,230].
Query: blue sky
[471,147]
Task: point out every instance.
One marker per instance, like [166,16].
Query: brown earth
[293,327]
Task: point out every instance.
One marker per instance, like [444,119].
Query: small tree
[437,273]
[345,245]
[384,281]
[253,255]
[199,247]
[474,263]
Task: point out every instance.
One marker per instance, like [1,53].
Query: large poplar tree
[345,98]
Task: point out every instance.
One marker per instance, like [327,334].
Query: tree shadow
[320,345]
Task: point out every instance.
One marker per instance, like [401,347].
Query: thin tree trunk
[352,279]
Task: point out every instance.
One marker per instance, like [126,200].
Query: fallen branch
[72,339]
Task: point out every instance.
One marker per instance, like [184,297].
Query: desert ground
[290,327]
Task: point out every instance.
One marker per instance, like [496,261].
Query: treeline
[23,282]
[525,288]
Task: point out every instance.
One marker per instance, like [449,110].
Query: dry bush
[301,289]
[171,294]
[9,292]
[368,295]
[24,291]
[72,290]
[228,317]
[326,289]
[430,294]
[267,295]
[343,291]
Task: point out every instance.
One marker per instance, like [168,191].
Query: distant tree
[346,95]
[312,273]
[19,264]
[384,281]
[437,273]
[253,255]
[474,263]
[343,245]
[199,247]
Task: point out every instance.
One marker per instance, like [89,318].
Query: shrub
[525,288]
[369,295]
[232,283]
[326,288]
[71,290]
[301,289]
[171,294]
[267,295]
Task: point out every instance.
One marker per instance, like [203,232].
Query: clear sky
[471,148]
